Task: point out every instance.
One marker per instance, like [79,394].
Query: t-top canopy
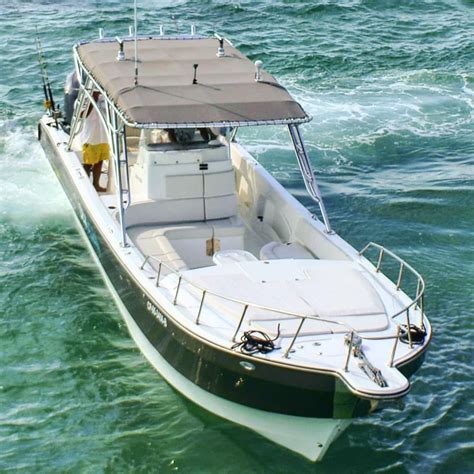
[226,91]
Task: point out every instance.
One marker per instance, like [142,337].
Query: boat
[246,302]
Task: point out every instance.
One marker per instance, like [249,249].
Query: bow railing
[418,300]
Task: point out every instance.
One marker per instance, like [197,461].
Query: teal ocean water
[391,88]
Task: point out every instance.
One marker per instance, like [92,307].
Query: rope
[417,335]
[252,342]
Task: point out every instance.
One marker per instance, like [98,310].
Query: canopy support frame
[308,173]
[118,163]
[115,129]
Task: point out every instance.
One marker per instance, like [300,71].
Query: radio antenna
[136,49]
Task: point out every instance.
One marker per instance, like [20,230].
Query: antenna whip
[136,49]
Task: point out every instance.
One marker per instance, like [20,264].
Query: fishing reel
[48,104]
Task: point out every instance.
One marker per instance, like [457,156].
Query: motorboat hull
[303,410]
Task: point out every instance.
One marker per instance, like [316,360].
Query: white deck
[327,289]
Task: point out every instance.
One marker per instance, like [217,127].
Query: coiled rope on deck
[417,335]
[252,342]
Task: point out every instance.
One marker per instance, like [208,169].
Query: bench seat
[184,246]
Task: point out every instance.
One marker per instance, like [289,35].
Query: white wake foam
[29,189]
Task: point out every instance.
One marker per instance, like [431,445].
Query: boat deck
[332,291]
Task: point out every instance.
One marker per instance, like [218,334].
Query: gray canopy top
[226,92]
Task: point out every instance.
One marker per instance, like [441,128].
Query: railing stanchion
[408,329]
[379,263]
[158,275]
[240,322]
[177,290]
[144,262]
[400,275]
[422,310]
[200,306]
[392,357]
[294,338]
[346,367]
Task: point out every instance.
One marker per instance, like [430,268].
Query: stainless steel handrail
[307,173]
[417,302]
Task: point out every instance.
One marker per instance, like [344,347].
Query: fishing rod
[48,95]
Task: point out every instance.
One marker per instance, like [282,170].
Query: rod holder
[193,30]
[101,33]
[130,30]
[220,50]
[195,66]
[162,31]
[258,70]
[120,54]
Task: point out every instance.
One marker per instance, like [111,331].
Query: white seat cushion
[232,256]
[276,250]
[154,243]
[185,246]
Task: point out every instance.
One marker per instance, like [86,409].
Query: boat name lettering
[157,313]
